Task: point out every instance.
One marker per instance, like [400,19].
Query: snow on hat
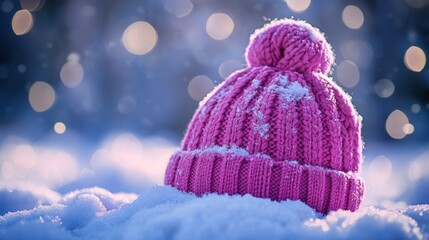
[279,129]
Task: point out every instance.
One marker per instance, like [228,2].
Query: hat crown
[282,114]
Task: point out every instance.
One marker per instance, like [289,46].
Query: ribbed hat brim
[231,172]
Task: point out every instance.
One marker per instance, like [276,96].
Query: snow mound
[166,213]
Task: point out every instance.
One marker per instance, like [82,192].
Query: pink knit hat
[279,129]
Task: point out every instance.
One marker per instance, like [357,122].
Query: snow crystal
[255,82]
[259,115]
[312,35]
[290,91]
[283,80]
[237,151]
[261,126]
[220,91]
[262,129]
[203,111]
[233,150]
[346,174]
[108,199]
[166,213]
[251,92]
[310,32]
[420,213]
[293,92]
[398,226]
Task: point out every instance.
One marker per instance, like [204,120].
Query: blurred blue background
[97,92]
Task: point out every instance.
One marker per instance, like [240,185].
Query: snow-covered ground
[165,213]
[39,200]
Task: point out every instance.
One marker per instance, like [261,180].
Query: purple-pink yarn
[279,129]
[290,44]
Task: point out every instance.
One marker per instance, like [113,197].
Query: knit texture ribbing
[279,129]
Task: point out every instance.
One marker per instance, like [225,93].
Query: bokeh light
[127,105]
[139,38]
[6,6]
[179,8]
[348,73]
[4,72]
[358,51]
[298,6]
[353,17]
[41,96]
[73,57]
[408,128]
[24,156]
[32,5]
[219,26]
[22,68]
[380,170]
[22,22]
[7,170]
[72,73]
[397,125]
[89,11]
[382,181]
[137,159]
[57,167]
[418,3]
[228,67]
[199,86]
[415,108]
[414,171]
[415,59]
[60,127]
[384,88]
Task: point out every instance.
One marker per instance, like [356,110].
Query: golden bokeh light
[397,125]
[415,59]
[60,128]
[353,17]
[408,128]
[22,22]
[41,96]
[139,38]
[298,6]
[219,26]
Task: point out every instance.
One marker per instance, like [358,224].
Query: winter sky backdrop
[98,93]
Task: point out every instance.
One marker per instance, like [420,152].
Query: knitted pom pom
[291,45]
